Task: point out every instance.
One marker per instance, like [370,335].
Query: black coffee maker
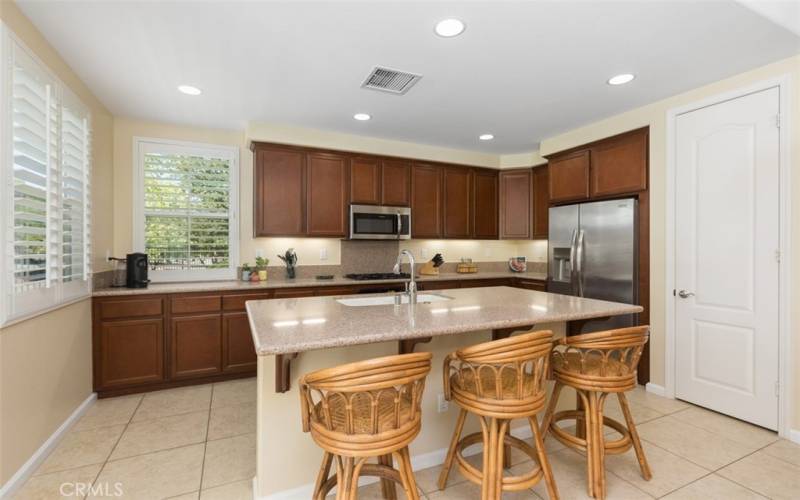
[136,264]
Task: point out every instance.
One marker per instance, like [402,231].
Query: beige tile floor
[199,443]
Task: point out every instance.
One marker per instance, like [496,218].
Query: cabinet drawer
[485,282]
[130,308]
[324,291]
[537,285]
[206,303]
[236,302]
[292,293]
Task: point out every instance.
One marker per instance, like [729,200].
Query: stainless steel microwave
[368,222]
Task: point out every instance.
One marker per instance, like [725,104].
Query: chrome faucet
[411,284]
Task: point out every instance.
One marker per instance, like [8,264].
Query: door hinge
[777,256]
[778,120]
[777,389]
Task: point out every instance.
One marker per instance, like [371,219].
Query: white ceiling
[521,70]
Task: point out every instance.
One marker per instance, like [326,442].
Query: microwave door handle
[399,225]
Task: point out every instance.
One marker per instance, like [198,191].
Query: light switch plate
[259,252]
[323,254]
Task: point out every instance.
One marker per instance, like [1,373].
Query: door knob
[685,295]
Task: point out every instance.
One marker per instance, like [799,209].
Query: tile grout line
[205,442]
[102,467]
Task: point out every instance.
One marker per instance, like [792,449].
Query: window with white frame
[45,175]
[185,217]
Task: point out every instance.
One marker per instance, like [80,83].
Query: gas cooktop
[378,276]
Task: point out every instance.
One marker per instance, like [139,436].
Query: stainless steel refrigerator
[593,253]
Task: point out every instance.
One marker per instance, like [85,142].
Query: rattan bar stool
[596,365]
[363,410]
[499,381]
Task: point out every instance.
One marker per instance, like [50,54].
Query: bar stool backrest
[612,353]
[387,389]
[512,368]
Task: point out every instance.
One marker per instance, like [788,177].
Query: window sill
[29,316]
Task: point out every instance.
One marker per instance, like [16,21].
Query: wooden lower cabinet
[131,352]
[238,351]
[195,345]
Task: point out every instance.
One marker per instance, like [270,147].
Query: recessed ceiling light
[486,137]
[449,28]
[621,79]
[189,90]
[362,117]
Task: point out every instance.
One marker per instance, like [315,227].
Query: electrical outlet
[423,253]
[108,254]
[323,254]
[442,404]
[487,252]
[259,252]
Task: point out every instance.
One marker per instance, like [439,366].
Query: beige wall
[45,374]
[655,116]
[45,362]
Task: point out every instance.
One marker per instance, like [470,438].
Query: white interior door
[727,261]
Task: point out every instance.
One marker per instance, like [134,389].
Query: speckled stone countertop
[295,325]
[211,286]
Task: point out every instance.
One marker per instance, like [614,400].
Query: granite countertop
[212,286]
[294,325]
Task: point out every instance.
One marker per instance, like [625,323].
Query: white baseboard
[658,390]
[418,462]
[794,436]
[30,466]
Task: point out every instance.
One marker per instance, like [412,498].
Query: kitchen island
[318,332]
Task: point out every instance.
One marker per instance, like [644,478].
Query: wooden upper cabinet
[515,204]
[426,201]
[396,183]
[457,202]
[569,177]
[279,192]
[326,194]
[484,211]
[619,164]
[541,203]
[365,181]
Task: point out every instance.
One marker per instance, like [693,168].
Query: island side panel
[288,459]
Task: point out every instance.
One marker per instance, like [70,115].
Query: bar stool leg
[344,475]
[451,452]
[324,471]
[407,474]
[595,445]
[551,408]
[550,482]
[388,489]
[637,444]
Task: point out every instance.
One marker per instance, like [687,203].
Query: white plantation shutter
[75,204]
[186,205]
[45,185]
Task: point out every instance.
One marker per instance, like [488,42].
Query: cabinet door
[426,201]
[238,351]
[485,205]
[279,192]
[457,202]
[396,183]
[619,165]
[365,181]
[326,194]
[515,204]
[569,177]
[131,352]
[195,346]
[541,203]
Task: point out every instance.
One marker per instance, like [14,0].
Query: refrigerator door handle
[573,263]
[579,261]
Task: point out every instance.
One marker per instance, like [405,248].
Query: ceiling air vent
[390,80]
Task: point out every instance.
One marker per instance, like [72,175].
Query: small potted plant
[261,266]
[246,272]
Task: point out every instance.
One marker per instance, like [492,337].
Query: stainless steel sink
[387,300]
